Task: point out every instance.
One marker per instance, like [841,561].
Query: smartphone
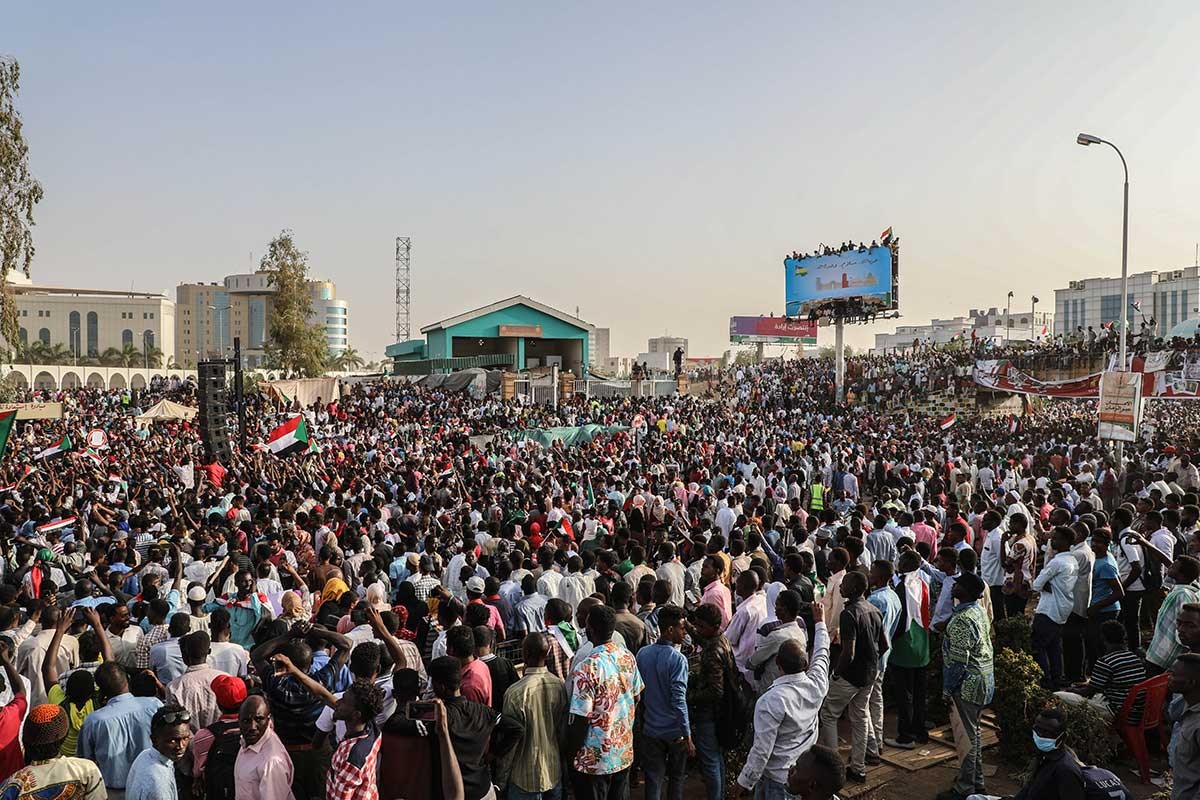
[423,711]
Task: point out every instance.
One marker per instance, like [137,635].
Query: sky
[649,164]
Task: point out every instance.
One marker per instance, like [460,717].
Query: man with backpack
[1057,772]
[215,747]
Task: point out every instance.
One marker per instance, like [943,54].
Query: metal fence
[644,388]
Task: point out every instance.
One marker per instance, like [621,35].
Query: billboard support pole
[839,361]
[758,353]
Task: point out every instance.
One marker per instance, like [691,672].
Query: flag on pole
[1043,333]
[290,437]
[886,236]
[1137,306]
[949,421]
[7,419]
[63,445]
[1014,424]
[94,456]
[29,470]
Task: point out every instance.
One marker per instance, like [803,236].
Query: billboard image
[864,274]
[772,330]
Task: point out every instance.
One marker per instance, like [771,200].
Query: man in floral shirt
[967,676]
[606,688]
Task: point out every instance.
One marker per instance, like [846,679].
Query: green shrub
[1019,696]
[1089,734]
[937,711]
[1014,633]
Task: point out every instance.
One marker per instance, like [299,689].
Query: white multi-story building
[668,345]
[1166,296]
[212,314]
[992,323]
[89,322]
[598,347]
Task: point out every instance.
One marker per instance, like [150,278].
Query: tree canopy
[19,193]
[294,345]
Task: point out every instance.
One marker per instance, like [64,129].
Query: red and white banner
[1159,381]
[1002,376]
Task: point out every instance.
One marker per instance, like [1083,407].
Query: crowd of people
[421,606]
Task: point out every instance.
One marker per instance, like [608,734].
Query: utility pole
[403,288]
[239,392]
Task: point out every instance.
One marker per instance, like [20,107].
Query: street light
[1086,139]
[1033,318]
[1008,318]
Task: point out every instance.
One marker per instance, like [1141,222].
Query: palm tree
[346,360]
[130,356]
[111,357]
[152,357]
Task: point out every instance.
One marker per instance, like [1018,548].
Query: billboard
[856,274]
[772,330]
[1120,405]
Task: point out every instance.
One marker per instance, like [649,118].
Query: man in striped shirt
[1117,671]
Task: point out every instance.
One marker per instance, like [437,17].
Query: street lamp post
[1033,319]
[1008,319]
[1086,139]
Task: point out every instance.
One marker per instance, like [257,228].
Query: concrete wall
[66,376]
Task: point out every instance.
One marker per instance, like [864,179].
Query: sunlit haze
[649,164]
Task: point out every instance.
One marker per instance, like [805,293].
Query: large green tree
[295,345]
[19,193]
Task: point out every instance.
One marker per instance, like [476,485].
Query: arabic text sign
[34,410]
[812,281]
[1120,405]
[772,330]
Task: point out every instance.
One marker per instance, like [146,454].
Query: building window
[1110,308]
[147,339]
[1183,306]
[126,338]
[23,337]
[74,333]
[44,336]
[93,334]
[1083,312]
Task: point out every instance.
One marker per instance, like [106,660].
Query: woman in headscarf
[377,597]
[330,611]
[406,598]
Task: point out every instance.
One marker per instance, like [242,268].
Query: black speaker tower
[213,411]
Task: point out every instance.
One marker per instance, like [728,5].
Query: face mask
[1044,744]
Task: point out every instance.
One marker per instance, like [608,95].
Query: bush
[1014,633]
[1019,697]
[1090,735]
[936,710]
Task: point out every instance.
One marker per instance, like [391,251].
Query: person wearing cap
[475,591]
[197,595]
[967,678]
[48,773]
[217,744]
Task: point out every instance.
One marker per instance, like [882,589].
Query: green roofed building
[514,334]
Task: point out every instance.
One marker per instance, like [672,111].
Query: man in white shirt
[672,571]
[1076,627]
[742,630]
[1056,582]
[785,716]
[991,560]
[1129,558]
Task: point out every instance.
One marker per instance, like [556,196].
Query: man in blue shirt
[667,732]
[152,774]
[113,736]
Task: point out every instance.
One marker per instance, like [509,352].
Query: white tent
[165,410]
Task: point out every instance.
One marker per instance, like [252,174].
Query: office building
[1167,296]
[210,315]
[668,345]
[90,322]
[986,324]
